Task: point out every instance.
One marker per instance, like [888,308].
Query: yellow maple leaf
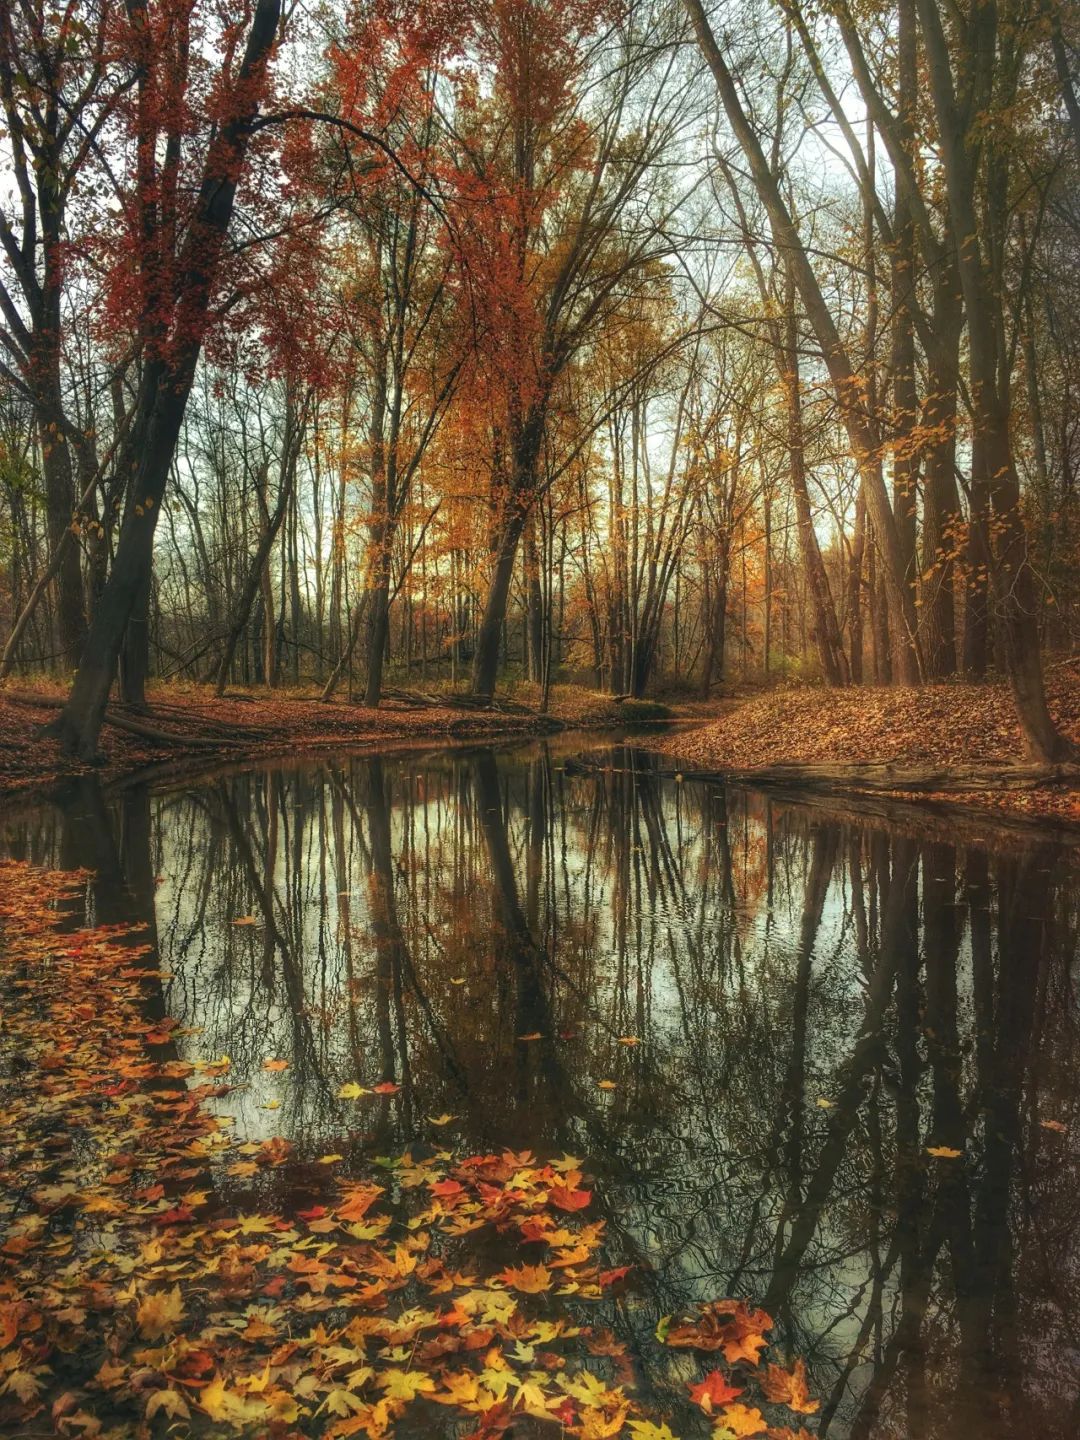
[220,1403]
[405,1384]
[944,1152]
[597,1425]
[740,1420]
[565,1163]
[171,1401]
[646,1430]
[343,1403]
[159,1312]
[529,1279]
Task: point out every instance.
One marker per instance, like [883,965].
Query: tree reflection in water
[815,998]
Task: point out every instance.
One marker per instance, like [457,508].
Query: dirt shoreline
[887,745]
[937,745]
[185,728]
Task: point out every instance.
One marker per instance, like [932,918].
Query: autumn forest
[539,718]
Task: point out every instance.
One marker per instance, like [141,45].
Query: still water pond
[792,1003]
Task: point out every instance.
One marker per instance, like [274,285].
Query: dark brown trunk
[1012,579]
[135,655]
[941,506]
[489,634]
[830,646]
[855,605]
[534,602]
[902,281]
[378,619]
[520,496]
[148,453]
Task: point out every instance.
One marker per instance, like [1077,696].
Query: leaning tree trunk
[254,581]
[830,644]
[150,451]
[521,494]
[166,384]
[486,657]
[861,428]
[135,655]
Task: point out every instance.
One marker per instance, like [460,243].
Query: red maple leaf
[715,1389]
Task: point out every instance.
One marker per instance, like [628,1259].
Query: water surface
[793,1003]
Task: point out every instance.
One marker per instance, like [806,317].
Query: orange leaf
[569,1199]
[788,1388]
[529,1279]
[715,1389]
[743,1419]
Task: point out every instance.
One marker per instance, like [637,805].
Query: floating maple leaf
[159,1312]
[568,1197]
[740,1420]
[529,1279]
[789,1387]
[727,1325]
[715,1389]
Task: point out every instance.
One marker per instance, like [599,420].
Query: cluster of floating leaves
[139,1297]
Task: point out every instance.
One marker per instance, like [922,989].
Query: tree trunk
[59,505]
[166,384]
[977,582]
[1012,578]
[830,646]
[135,655]
[378,618]
[860,425]
[520,497]
[941,506]
[534,602]
[486,657]
[855,599]
[150,454]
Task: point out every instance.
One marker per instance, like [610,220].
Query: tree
[861,424]
[553,218]
[60,91]
[176,258]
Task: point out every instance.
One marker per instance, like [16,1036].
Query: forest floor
[950,743]
[187,723]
